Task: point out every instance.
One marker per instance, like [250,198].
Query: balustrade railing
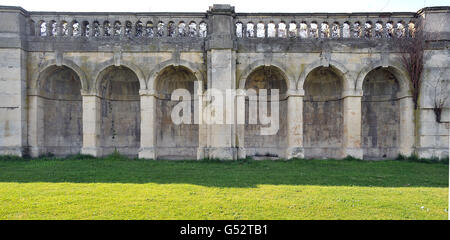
[118,25]
[247,26]
[364,26]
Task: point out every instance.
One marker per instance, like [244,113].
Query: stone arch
[323,112]
[175,141]
[288,76]
[257,144]
[192,67]
[65,62]
[120,110]
[102,66]
[380,115]
[56,110]
[337,67]
[397,70]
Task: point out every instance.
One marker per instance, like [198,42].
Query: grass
[115,187]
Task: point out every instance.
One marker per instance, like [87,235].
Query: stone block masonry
[95,83]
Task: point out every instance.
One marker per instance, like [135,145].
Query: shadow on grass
[241,174]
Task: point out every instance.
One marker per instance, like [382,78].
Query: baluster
[276,30]
[59,28]
[101,29]
[49,25]
[70,28]
[122,28]
[37,31]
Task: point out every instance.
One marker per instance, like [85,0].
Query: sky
[240,6]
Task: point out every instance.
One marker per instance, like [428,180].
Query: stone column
[35,124]
[407,136]
[202,128]
[240,123]
[221,62]
[351,144]
[148,131]
[294,147]
[91,124]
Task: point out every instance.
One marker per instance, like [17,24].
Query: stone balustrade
[106,25]
[317,25]
[298,26]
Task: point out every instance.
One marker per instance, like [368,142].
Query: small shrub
[414,158]
[47,155]
[116,155]
[351,158]
[10,158]
[79,157]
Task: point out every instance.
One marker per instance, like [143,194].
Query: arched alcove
[322,113]
[266,146]
[380,115]
[175,141]
[59,88]
[120,111]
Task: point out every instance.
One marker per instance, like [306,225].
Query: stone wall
[93,83]
[266,146]
[175,141]
[380,115]
[120,111]
[322,114]
[60,93]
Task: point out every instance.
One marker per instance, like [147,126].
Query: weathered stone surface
[67,88]
[380,115]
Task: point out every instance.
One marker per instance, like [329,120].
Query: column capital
[352,93]
[296,93]
[147,92]
[32,92]
[86,93]
[241,92]
[404,94]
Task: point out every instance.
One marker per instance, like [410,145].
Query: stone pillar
[407,136]
[91,124]
[148,133]
[294,147]
[13,82]
[35,125]
[351,144]
[221,62]
[240,123]
[202,128]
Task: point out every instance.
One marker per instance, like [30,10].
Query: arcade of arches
[130,121]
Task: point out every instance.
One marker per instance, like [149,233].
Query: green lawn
[119,188]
